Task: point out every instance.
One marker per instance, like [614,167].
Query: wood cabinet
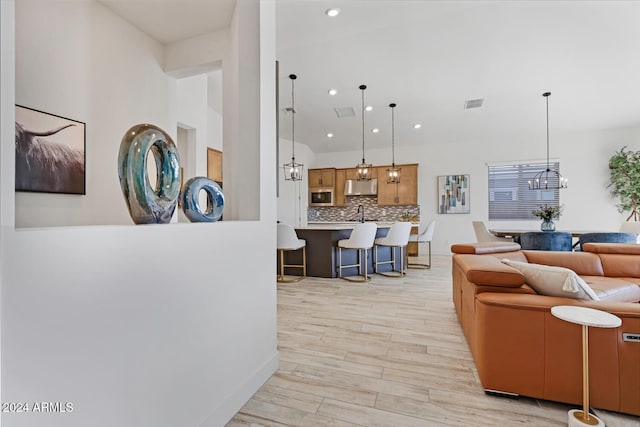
[339,198]
[404,193]
[322,177]
[412,247]
[352,173]
[214,165]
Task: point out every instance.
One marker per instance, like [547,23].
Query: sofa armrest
[488,270]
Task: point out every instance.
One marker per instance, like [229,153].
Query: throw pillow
[554,281]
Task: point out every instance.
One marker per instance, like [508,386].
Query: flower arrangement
[547,212]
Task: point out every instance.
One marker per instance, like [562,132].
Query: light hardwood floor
[386,353]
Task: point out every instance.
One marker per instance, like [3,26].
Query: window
[509,194]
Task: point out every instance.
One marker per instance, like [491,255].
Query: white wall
[136,325]
[293,199]
[214,110]
[584,161]
[192,110]
[85,70]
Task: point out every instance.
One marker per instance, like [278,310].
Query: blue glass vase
[548,225]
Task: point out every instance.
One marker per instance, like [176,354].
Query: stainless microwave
[321,197]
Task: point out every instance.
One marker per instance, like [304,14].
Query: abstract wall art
[453,194]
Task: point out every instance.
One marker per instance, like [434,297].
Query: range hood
[353,187]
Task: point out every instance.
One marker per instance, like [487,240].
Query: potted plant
[624,168]
[547,213]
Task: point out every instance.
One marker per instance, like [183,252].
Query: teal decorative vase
[548,225]
[190,202]
[149,204]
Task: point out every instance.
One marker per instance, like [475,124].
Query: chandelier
[547,179]
[363,170]
[293,171]
[393,173]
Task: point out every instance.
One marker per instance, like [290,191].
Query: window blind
[509,194]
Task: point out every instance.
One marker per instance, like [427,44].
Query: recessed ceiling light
[375,130]
[332,12]
[417,126]
[369,108]
[332,92]
[329,135]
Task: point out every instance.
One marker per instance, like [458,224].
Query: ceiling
[173,20]
[429,57]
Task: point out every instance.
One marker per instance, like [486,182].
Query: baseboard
[232,404]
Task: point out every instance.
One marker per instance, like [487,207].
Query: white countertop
[343,225]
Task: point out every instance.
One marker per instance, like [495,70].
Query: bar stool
[397,237]
[288,241]
[361,238]
[425,237]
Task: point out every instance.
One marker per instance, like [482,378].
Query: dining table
[515,233]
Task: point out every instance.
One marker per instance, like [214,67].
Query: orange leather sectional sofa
[520,348]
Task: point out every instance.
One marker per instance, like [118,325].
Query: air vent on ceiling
[342,112]
[473,103]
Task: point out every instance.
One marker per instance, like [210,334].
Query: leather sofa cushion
[620,265]
[553,281]
[583,263]
[612,248]
[487,269]
[614,289]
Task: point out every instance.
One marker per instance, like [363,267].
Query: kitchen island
[322,250]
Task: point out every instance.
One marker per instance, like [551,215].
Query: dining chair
[608,238]
[425,237]
[397,237]
[361,239]
[287,240]
[483,235]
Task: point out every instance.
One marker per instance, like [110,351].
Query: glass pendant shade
[363,169]
[293,171]
[393,173]
[547,179]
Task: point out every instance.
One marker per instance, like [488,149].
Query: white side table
[586,317]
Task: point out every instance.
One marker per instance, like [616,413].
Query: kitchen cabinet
[339,198]
[404,193]
[352,173]
[412,247]
[322,177]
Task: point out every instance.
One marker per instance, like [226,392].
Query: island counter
[322,250]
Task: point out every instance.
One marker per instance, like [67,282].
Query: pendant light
[393,173]
[293,171]
[363,170]
[547,179]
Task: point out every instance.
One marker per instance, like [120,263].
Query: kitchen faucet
[361,212]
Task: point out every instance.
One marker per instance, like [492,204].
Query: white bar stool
[288,241]
[361,238]
[397,237]
[425,237]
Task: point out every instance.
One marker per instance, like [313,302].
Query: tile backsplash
[372,211]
